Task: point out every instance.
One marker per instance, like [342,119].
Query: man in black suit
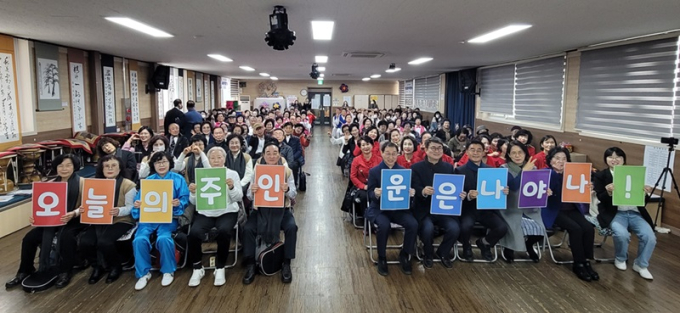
[177,141]
[175,115]
[294,143]
[257,141]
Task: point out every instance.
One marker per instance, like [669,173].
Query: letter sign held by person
[490,185]
[534,189]
[156,200]
[211,189]
[270,180]
[49,203]
[575,182]
[396,184]
[98,200]
[629,185]
[446,199]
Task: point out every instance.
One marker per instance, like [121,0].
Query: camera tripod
[663,178]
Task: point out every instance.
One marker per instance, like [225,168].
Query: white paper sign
[134,97]
[109,98]
[9,120]
[48,82]
[77,97]
[655,160]
[326,100]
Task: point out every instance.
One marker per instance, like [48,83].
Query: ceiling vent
[341,75]
[362,55]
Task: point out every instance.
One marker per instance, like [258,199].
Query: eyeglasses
[162,162]
[436,148]
[611,157]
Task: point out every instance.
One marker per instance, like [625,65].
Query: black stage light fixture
[315,73]
[279,36]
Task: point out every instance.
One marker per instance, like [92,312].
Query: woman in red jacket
[547,143]
[408,157]
[360,167]
[371,132]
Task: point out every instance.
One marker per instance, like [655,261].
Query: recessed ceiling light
[321,69]
[138,26]
[511,29]
[322,75]
[220,57]
[246,68]
[321,59]
[420,61]
[375,76]
[264,74]
[274,78]
[393,70]
[322,30]
[366,79]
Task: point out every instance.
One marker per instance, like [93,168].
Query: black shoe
[467,253]
[485,249]
[82,265]
[593,274]
[63,280]
[405,263]
[114,274]
[97,274]
[16,281]
[446,262]
[250,274]
[508,255]
[286,274]
[382,267]
[532,253]
[581,272]
[427,262]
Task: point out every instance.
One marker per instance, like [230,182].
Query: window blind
[539,89]
[426,93]
[233,88]
[628,90]
[498,89]
[401,93]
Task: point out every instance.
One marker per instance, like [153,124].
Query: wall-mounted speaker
[242,84]
[161,77]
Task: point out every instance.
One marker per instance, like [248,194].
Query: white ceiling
[403,30]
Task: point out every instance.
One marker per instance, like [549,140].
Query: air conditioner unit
[362,55]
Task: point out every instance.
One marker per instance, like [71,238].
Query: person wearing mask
[268,222]
[298,154]
[257,141]
[622,219]
[175,115]
[436,123]
[161,162]
[158,143]
[223,219]
[569,217]
[176,141]
[191,158]
[491,219]
[108,146]
[384,219]
[98,242]
[65,166]
[422,181]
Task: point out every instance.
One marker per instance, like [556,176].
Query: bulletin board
[10,127]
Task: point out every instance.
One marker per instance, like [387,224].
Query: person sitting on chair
[101,239]
[191,158]
[266,222]
[224,219]
[488,218]
[423,178]
[161,162]
[622,219]
[383,219]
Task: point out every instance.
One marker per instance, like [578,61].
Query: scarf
[119,180]
[514,169]
[191,166]
[237,163]
[73,191]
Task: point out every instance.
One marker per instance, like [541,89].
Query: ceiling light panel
[246,68]
[420,61]
[505,31]
[139,26]
[220,57]
[322,30]
[321,59]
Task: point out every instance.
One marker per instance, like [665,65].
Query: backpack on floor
[48,269]
[271,259]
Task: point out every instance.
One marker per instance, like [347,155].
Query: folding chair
[479,230]
[420,253]
[212,234]
[546,242]
[181,243]
[372,247]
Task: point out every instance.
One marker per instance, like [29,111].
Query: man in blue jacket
[192,117]
[294,143]
[383,219]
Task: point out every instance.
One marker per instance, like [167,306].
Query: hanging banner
[270,181]
[109,93]
[490,185]
[629,185]
[156,201]
[190,88]
[206,91]
[396,186]
[76,61]
[9,119]
[134,98]
[49,203]
[211,189]
[98,200]
[576,182]
[446,199]
[199,87]
[212,94]
[47,77]
[533,192]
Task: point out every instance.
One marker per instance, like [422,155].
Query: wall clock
[303,92]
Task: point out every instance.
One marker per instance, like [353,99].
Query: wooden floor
[332,273]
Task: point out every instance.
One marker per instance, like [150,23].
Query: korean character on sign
[96,204]
[394,192]
[47,207]
[447,192]
[153,199]
[266,182]
[210,196]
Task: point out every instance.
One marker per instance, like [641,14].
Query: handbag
[302,184]
[270,260]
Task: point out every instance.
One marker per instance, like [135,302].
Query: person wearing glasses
[161,162]
[622,219]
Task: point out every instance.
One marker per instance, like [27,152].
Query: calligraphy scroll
[10,132]
[76,61]
[134,95]
[47,76]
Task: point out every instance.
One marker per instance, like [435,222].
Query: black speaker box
[161,77]
[241,84]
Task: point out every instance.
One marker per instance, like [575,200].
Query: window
[629,90]
[498,90]
[426,93]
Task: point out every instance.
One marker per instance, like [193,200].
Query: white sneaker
[142,281]
[219,277]
[620,265]
[644,272]
[195,279]
[167,279]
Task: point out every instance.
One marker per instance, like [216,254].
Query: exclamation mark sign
[628,187]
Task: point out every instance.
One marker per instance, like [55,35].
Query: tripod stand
[664,176]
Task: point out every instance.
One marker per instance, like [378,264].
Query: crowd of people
[370,140]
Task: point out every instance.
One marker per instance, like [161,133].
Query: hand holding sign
[576,183]
[49,203]
[396,185]
[534,191]
[448,194]
[492,189]
[629,185]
